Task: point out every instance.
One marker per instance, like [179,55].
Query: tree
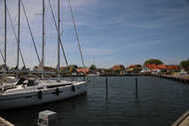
[153,61]
[72,68]
[118,69]
[134,68]
[137,68]
[185,64]
[92,67]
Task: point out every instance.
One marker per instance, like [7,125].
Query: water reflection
[160,102]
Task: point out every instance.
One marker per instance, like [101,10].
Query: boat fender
[57,91]
[40,94]
[73,88]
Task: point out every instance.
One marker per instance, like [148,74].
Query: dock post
[106,87]
[47,118]
[136,87]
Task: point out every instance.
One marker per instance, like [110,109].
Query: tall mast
[58,40]
[5,46]
[18,44]
[43,38]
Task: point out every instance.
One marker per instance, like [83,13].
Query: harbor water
[159,103]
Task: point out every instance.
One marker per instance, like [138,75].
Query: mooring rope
[2,56]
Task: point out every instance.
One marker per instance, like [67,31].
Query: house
[134,68]
[173,68]
[162,68]
[155,68]
[119,69]
[46,69]
[83,71]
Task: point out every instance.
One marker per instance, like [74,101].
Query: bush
[185,65]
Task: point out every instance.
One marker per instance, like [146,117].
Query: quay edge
[4,122]
[182,120]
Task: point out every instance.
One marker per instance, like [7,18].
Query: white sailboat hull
[38,96]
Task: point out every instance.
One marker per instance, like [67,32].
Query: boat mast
[58,41]
[18,44]
[5,46]
[43,39]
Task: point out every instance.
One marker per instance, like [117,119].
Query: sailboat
[30,91]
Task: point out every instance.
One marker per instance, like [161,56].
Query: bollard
[136,87]
[47,118]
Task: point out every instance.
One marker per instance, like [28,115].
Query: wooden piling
[136,87]
[106,87]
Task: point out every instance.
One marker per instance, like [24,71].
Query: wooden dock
[183,120]
[4,122]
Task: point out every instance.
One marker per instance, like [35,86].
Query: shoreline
[179,78]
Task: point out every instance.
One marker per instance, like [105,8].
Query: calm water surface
[160,103]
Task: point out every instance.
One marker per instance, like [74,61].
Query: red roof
[118,67]
[162,67]
[83,70]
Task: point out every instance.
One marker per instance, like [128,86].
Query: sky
[110,31]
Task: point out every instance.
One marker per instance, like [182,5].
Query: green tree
[72,68]
[118,69]
[92,67]
[138,68]
[185,64]
[153,61]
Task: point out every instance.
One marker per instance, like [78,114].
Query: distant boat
[31,91]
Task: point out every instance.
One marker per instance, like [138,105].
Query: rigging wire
[53,15]
[76,32]
[2,56]
[14,32]
[62,26]
[31,34]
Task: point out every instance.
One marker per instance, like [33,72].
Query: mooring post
[47,118]
[106,87]
[136,87]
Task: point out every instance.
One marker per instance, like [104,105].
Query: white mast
[58,41]
[43,38]
[18,44]
[5,46]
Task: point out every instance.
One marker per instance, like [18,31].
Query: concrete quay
[4,122]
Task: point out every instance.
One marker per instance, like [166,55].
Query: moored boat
[34,92]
